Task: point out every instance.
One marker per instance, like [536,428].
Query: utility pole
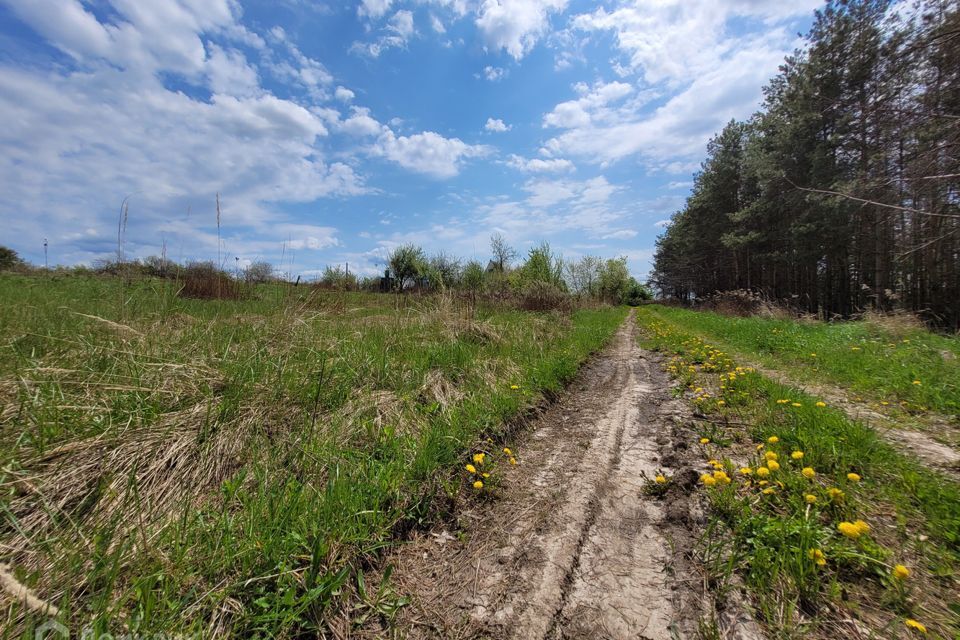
[46,262]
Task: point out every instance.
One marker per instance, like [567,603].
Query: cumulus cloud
[343,94]
[515,25]
[496,125]
[539,165]
[374,8]
[429,153]
[493,74]
[396,33]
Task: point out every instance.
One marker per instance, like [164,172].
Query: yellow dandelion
[478,458]
[817,556]
[835,494]
[660,479]
[486,475]
[849,529]
[708,480]
[768,491]
[720,403]
[900,572]
[704,440]
[471,468]
[808,473]
[507,451]
[514,386]
[795,404]
[771,455]
[773,439]
[773,465]
[917,382]
[513,460]
[759,446]
[853,477]
[478,485]
[746,471]
[797,455]
[821,404]
[763,472]
[762,483]
[914,624]
[861,526]
[721,476]
[813,355]
[810,498]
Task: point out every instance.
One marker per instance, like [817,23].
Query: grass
[779,528]
[887,361]
[234,467]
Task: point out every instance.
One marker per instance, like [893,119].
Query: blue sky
[335,131]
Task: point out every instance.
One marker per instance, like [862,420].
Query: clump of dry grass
[897,323]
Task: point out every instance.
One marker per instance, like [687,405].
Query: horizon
[334,133]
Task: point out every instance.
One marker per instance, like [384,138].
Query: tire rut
[573,546]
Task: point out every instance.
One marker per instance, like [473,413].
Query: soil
[574,544]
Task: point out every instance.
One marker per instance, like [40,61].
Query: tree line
[843,192]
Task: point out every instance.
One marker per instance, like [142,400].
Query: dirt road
[573,547]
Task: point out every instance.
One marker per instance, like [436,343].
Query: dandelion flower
[797,455]
[810,498]
[513,460]
[914,624]
[721,403]
[478,485]
[861,526]
[486,475]
[507,451]
[817,556]
[773,465]
[917,382]
[835,494]
[763,472]
[768,491]
[708,480]
[471,468]
[746,471]
[478,458]
[808,473]
[900,572]
[514,386]
[759,446]
[821,404]
[721,476]
[704,440]
[853,477]
[795,404]
[849,529]
[660,479]
[771,455]
[773,439]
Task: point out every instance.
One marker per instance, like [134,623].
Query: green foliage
[407,263]
[836,197]
[9,259]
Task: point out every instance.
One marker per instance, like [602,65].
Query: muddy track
[572,546]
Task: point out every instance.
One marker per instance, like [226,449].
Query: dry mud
[573,546]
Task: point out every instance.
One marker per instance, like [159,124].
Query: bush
[203,280]
[544,296]
[9,259]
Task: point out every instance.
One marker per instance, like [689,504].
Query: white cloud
[360,123]
[620,234]
[343,94]
[539,165]
[493,74]
[496,125]
[374,8]
[395,34]
[515,25]
[591,105]
[428,152]
[437,24]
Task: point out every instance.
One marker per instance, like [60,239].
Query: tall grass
[229,467]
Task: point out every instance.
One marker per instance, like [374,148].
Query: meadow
[236,467]
[834,531]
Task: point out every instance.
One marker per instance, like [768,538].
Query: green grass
[234,467]
[878,360]
[767,532]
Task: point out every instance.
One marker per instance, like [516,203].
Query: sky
[336,131]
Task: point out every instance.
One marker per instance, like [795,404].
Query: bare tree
[503,253]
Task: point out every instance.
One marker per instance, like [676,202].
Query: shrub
[203,280]
[9,259]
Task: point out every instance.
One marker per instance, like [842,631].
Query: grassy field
[235,467]
[824,522]
[891,363]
